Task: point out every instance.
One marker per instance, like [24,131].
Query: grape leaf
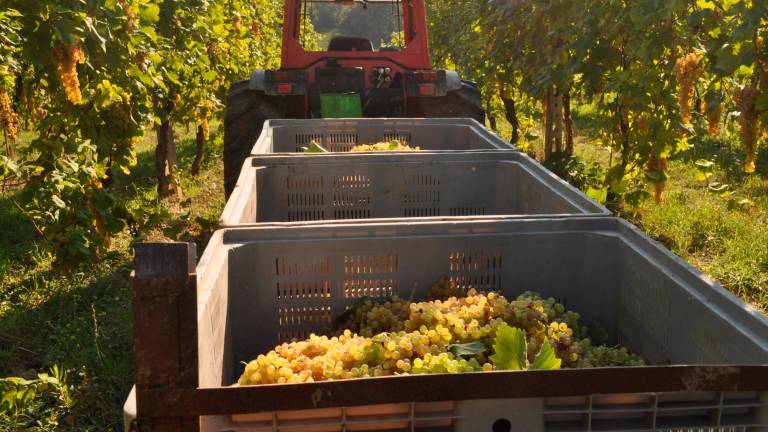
[467,349]
[314,147]
[510,348]
[545,359]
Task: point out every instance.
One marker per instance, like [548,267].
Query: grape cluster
[237,24]
[446,363]
[605,356]
[746,100]
[9,120]
[130,16]
[688,69]
[348,355]
[713,120]
[395,336]
[369,317]
[657,167]
[444,289]
[66,58]
[394,145]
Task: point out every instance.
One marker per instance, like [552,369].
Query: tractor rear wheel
[247,110]
[465,102]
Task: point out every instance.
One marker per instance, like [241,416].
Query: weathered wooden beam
[164,330]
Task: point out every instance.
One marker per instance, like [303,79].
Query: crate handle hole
[502,425]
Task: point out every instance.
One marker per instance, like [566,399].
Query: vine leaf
[510,348]
[467,349]
[545,359]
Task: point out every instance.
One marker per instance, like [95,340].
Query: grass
[82,321]
[725,234]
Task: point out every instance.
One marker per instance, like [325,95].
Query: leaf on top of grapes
[510,348]
[314,147]
[545,359]
[467,349]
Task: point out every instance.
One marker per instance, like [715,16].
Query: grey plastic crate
[259,286]
[289,135]
[374,186]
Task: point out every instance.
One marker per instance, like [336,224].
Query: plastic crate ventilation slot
[344,141]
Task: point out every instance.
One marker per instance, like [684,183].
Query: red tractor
[375,49]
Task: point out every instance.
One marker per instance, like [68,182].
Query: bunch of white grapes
[395,336]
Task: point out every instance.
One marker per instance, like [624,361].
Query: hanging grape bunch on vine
[746,101]
[714,114]
[657,171]
[8,118]
[66,57]
[688,69]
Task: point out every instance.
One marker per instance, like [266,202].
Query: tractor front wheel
[247,110]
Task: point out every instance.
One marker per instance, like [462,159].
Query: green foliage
[94,74]
[25,403]
[620,56]
[510,348]
[9,45]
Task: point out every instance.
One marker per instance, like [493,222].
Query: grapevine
[688,69]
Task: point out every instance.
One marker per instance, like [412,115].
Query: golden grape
[66,58]
[394,145]
[237,24]
[713,120]
[688,69]
[658,165]
[746,98]
[398,337]
[8,118]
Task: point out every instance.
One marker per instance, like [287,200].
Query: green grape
[605,356]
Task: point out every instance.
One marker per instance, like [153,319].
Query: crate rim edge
[269,125]
[225,400]
[240,194]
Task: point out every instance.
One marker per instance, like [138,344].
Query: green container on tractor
[346,105]
[361,58]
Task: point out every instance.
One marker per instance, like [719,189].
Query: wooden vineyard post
[164,328]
